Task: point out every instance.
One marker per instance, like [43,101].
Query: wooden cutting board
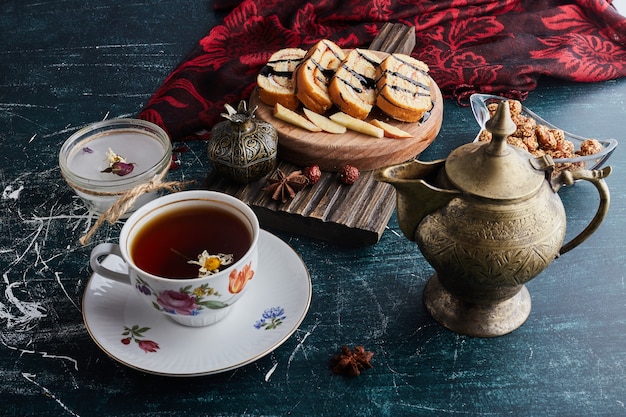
[332,151]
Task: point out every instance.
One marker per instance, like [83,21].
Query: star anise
[283,187]
[351,363]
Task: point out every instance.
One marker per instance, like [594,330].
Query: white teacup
[162,246]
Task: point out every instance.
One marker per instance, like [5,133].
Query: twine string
[128,198]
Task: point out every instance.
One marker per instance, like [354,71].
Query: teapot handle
[596,177]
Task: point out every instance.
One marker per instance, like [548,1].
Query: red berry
[313,173]
[125,341]
[348,174]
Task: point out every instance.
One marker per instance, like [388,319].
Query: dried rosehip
[313,173]
[348,174]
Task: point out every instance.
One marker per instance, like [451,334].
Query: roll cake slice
[403,88]
[312,75]
[353,87]
[275,81]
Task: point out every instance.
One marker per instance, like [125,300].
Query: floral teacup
[190,255]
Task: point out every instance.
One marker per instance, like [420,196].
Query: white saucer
[280,293]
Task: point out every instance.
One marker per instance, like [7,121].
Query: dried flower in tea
[210,264]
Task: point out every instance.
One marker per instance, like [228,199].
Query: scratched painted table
[67,64]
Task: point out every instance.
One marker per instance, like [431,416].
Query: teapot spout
[421,188]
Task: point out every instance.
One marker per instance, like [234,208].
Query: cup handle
[105,249]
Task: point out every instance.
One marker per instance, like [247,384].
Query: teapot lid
[495,169]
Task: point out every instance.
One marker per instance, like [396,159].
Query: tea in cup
[189,255]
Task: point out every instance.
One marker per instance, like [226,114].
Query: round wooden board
[332,151]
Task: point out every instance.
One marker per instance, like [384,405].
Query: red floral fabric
[488,46]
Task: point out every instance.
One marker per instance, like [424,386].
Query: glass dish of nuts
[540,137]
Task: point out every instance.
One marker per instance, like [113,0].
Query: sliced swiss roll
[403,88]
[313,74]
[353,87]
[275,82]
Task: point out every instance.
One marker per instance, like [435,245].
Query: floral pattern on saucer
[135,334]
[271,318]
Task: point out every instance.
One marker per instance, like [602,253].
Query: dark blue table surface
[65,64]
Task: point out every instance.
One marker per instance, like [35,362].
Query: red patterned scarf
[501,47]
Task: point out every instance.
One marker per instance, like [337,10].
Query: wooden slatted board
[353,215]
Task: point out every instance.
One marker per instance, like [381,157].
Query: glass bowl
[479,103]
[83,161]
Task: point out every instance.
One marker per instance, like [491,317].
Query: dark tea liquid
[165,243]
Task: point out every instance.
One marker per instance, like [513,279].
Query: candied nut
[566,147]
[484,136]
[515,106]
[531,143]
[558,154]
[590,147]
[540,140]
[545,137]
[525,126]
[512,140]
[558,134]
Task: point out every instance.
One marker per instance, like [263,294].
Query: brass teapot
[488,219]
